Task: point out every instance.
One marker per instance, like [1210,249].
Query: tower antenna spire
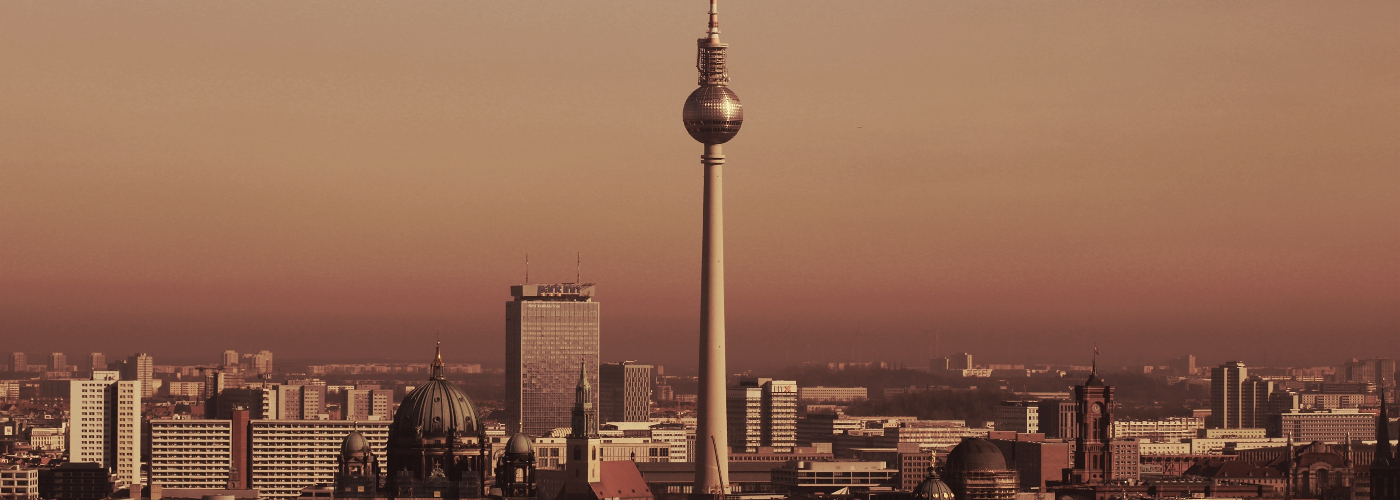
[527,268]
[578,269]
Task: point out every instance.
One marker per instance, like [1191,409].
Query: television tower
[712,115]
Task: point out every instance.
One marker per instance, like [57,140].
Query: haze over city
[1019,180]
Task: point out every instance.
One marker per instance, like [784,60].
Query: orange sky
[340,179]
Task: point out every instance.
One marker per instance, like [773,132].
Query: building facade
[286,456]
[549,330]
[762,413]
[1018,416]
[1327,426]
[140,367]
[624,392]
[366,404]
[191,453]
[105,424]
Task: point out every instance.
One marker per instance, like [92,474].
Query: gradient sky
[336,180]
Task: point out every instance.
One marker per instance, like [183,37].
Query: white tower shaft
[712,427]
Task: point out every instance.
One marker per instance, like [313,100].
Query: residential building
[762,412]
[1125,458]
[50,439]
[230,359]
[192,453]
[624,392]
[823,427]
[1168,430]
[140,367]
[58,362]
[367,403]
[1018,416]
[288,455]
[262,363]
[19,362]
[549,330]
[105,424]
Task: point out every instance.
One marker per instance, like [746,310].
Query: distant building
[366,404]
[624,392]
[58,362]
[294,454]
[1125,458]
[762,412]
[19,362]
[96,362]
[1057,419]
[49,439]
[1168,430]
[1327,426]
[822,427]
[804,478]
[230,359]
[105,424]
[262,363]
[821,394]
[549,330]
[1238,400]
[140,367]
[1018,416]
[1036,460]
[977,470]
[960,361]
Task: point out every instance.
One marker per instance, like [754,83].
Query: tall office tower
[58,362]
[624,392]
[191,453]
[366,404]
[762,412]
[230,358]
[97,362]
[1238,401]
[140,367]
[262,362]
[712,115]
[549,330]
[1094,412]
[18,362]
[105,424]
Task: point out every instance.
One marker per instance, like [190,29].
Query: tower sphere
[713,114]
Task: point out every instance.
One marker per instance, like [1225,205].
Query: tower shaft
[712,431]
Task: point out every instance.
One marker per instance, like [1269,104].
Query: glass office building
[550,329]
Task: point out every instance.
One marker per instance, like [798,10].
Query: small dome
[933,489]
[519,444]
[713,114]
[975,455]
[354,442]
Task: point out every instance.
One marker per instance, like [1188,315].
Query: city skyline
[1019,180]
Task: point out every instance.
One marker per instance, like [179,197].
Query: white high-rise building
[762,412]
[105,424]
[191,453]
[230,359]
[288,455]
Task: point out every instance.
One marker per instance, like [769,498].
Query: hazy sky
[340,179]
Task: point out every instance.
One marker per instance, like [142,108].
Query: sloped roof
[621,479]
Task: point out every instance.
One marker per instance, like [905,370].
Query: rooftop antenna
[527,268]
[578,269]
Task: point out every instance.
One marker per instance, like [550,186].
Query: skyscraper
[1238,401]
[18,362]
[105,424]
[712,115]
[550,329]
[58,362]
[97,362]
[624,392]
[140,367]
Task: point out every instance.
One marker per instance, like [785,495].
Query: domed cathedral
[933,488]
[358,475]
[976,470]
[437,445]
[515,471]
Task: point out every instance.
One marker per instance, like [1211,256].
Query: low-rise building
[820,394]
[1328,426]
[806,477]
[19,483]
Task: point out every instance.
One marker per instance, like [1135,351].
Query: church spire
[585,421]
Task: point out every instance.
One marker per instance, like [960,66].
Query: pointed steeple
[1384,456]
[437,370]
[585,421]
